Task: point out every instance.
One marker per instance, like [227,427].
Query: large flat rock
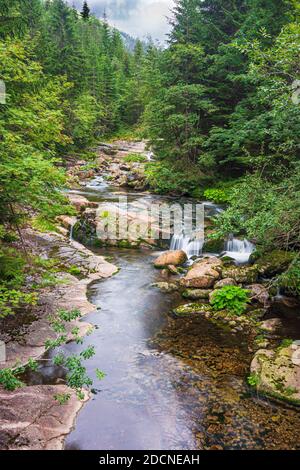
[31,419]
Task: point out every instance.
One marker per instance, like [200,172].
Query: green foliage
[285,343]
[76,373]
[265,211]
[11,299]
[9,379]
[75,270]
[218,196]
[12,276]
[164,178]
[253,379]
[62,398]
[231,298]
[66,77]
[134,158]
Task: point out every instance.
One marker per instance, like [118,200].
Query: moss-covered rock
[195,308]
[241,274]
[165,286]
[213,245]
[276,373]
[195,294]
[274,262]
[227,281]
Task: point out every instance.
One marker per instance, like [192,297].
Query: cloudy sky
[138,18]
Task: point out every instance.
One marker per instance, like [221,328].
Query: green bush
[231,298]
[266,211]
[164,179]
[218,196]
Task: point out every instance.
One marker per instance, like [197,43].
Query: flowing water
[170,383]
[239,250]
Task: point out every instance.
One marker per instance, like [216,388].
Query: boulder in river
[259,293]
[66,221]
[271,324]
[191,309]
[276,373]
[225,282]
[165,286]
[80,202]
[195,294]
[203,274]
[172,257]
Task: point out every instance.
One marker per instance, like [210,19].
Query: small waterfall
[191,246]
[240,250]
[149,155]
[71,232]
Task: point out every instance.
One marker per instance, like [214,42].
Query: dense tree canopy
[69,80]
[216,103]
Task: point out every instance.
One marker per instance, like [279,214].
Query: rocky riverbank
[41,423]
[30,416]
[275,370]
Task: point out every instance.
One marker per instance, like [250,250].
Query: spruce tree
[85,13]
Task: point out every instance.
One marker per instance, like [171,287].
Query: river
[170,383]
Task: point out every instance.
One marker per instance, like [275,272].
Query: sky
[139,18]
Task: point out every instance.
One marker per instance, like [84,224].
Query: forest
[218,105]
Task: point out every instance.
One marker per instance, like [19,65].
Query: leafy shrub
[253,379]
[135,158]
[218,196]
[266,211]
[231,298]
[11,299]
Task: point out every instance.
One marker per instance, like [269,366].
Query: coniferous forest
[211,115]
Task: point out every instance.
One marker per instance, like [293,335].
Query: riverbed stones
[277,373]
[171,258]
[203,274]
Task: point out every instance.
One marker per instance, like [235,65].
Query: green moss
[191,309]
[195,294]
[274,262]
[213,245]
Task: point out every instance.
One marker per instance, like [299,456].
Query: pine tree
[85,13]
